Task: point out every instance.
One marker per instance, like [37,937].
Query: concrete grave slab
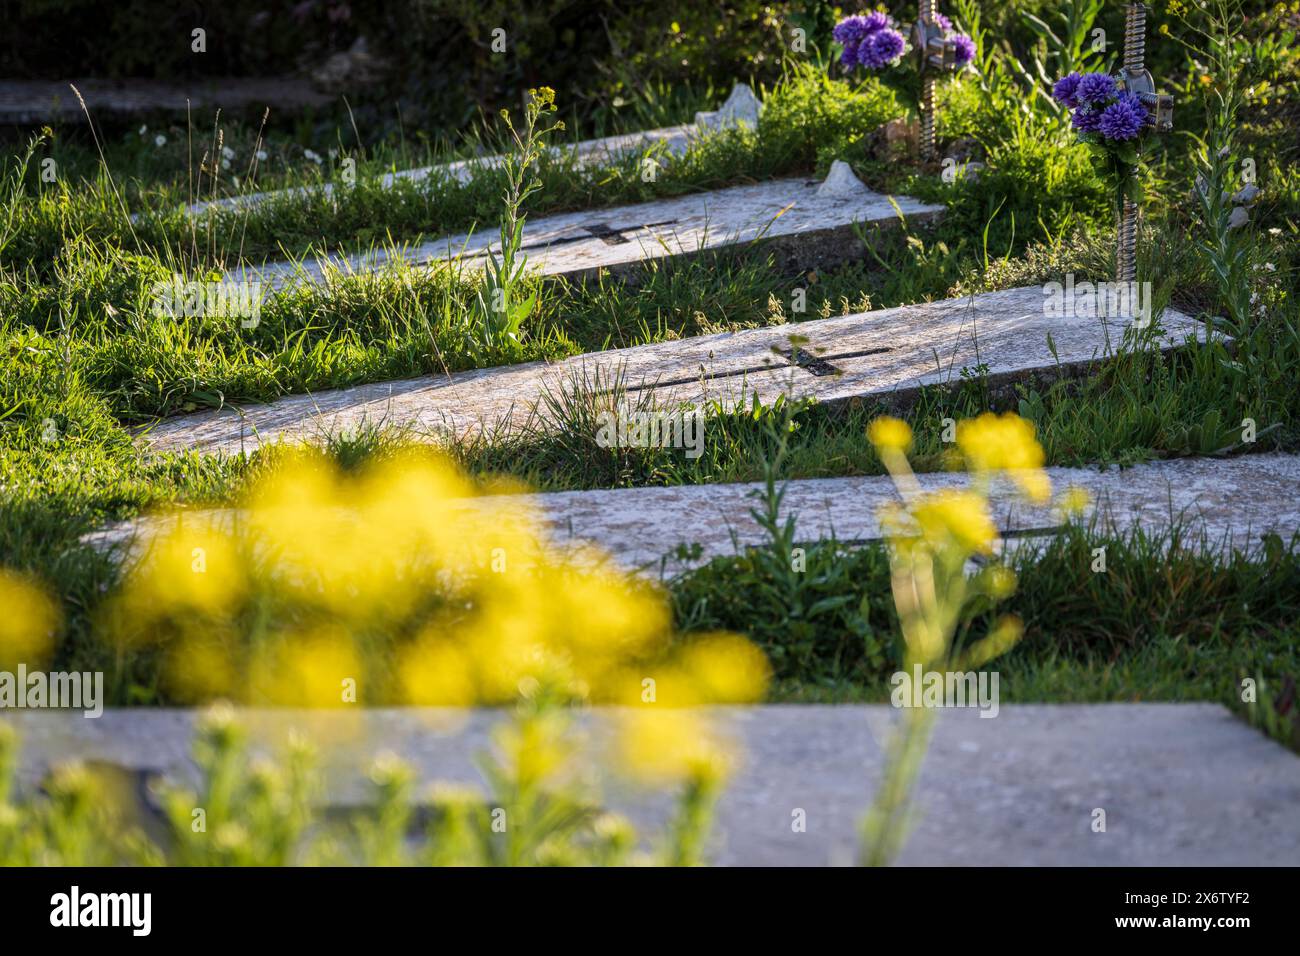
[887,354]
[1220,504]
[1181,784]
[742,108]
[800,224]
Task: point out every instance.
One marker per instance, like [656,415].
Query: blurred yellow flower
[397,582]
[192,567]
[1075,500]
[669,746]
[960,518]
[436,673]
[1033,483]
[999,581]
[535,747]
[890,434]
[28,619]
[726,669]
[198,666]
[312,669]
[999,443]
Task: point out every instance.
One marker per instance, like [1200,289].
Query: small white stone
[742,108]
[840,182]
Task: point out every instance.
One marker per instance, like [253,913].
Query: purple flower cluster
[869,41]
[1100,106]
[964,44]
[965,49]
[872,41]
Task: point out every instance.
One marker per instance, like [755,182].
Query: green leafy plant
[1224,246]
[504,302]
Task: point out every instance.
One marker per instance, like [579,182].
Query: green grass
[366,214]
[83,359]
[1166,621]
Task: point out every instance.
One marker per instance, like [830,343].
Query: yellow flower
[727,669]
[959,518]
[999,581]
[999,443]
[1075,500]
[313,669]
[436,673]
[535,747]
[890,434]
[202,665]
[1034,483]
[668,746]
[28,618]
[194,567]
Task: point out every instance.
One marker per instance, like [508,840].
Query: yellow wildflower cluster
[933,534]
[402,584]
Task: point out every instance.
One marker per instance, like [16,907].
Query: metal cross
[1135,78]
[934,55]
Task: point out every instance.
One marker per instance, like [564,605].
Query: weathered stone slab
[741,108]
[800,225]
[882,354]
[1181,784]
[1220,504]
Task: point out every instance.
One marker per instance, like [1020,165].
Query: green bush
[810,119]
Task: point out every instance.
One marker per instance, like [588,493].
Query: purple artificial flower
[854,32]
[965,49]
[880,49]
[1096,89]
[1065,89]
[1124,119]
[1086,119]
[943,22]
[869,41]
[850,31]
[875,20]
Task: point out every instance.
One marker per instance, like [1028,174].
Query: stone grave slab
[1221,504]
[797,221]
[1194,786]
[742,107]
[888,354]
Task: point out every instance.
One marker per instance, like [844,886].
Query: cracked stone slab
[888,354]
[794,220]
[742,108]
[1219,504]
[1181,784]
